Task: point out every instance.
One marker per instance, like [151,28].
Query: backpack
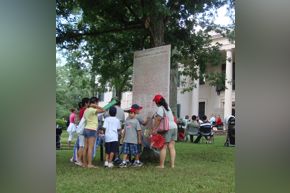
[231,123]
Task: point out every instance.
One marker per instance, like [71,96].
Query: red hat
[157,98]
[131,110]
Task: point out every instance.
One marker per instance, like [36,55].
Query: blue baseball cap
[137,107]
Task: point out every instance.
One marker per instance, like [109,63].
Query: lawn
[200,168]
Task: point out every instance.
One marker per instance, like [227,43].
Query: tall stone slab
[151,75]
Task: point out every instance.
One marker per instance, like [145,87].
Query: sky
[222,19]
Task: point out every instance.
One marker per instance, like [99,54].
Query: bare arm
[157,121]
[99,109]
[145,121]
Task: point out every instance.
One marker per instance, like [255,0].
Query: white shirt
[111,124]
[212,119]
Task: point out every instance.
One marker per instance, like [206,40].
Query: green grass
[200,168]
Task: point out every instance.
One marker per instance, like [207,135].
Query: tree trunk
[119,94]
[93,79]
[93,83]
[157,30]
[173,88]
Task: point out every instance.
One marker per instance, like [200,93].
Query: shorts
[90,133]
[170,135]
[81,141]
[130,148]
[111,147]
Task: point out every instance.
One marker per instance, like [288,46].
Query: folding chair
[206,132]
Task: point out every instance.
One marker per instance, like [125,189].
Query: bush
[61,123]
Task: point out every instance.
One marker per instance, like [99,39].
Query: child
[143,122]
[111,126]
[132,137]
[72,127]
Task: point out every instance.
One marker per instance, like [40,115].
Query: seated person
[205,130]
[218,121]
[193,127]
[212,120]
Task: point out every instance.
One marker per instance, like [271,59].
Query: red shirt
[72,118]
[218,121]
[81,113]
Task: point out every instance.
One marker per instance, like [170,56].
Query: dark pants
[58,137]
[191,138]
[199,137]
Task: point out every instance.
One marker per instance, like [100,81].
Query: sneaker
[92,166]
[140,164]
[128,163]
[78,163]
[106,164]
[123,165]
[110,165]
[137,164]
[117,161]
[72,160]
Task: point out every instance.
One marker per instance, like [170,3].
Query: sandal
[92,166]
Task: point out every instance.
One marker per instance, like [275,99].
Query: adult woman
[171,135]
[90,131]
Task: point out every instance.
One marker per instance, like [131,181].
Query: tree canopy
[72,84]
[110,31]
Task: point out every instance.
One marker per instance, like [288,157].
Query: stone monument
[151,75]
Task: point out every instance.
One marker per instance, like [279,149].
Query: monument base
[149,155]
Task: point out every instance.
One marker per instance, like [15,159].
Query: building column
[228,90]
[195,96]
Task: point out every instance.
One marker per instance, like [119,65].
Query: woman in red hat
[171,135]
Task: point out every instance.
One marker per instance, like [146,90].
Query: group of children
[115,132]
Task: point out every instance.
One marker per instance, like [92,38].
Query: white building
[126,101]
[203,99]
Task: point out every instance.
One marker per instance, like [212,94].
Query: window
[178,110]
[234,76]
[201,109]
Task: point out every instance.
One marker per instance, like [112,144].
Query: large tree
[110,31]
[140,24]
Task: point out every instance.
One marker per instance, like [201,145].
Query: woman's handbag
[164,124]
[81,126]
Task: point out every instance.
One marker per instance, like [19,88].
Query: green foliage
[110,31]
[72,84]
[217,80]
[61,123]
